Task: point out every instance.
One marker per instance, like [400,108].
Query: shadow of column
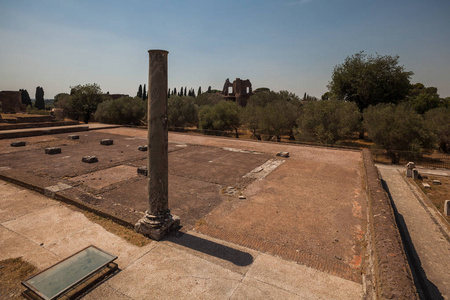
[237,257]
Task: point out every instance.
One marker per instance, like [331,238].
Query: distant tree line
[367,95]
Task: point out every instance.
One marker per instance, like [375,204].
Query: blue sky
[284,45]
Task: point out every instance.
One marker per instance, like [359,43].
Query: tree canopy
[182,111]
[83,100]
[327,121]
[397,128]
[438,121]
[222,116]
[369,80]
[124,110]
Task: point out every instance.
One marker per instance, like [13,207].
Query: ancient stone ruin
[239,91]
[157,221]
[11,102]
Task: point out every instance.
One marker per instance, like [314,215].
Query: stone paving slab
[186,266]
[310,285]
[430,244]
[13,244]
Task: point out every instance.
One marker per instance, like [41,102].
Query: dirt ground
[438,194]
[310,207]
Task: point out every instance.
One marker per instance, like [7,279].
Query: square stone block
[106,142]
[18,144]
[142,170]
[89,159]
[53,150]
[283,154]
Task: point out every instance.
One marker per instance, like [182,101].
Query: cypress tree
[185,88]
[26,100]
[209,89]
[144,94]
[181,93]
[168,93]
[199,91]
[139,93]
[175,91]
[39,96]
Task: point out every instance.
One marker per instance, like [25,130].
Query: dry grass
[12,272]
[438,193]
[109,225]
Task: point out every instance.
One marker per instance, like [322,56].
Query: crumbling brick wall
[391,278]
[11,101]
[241,90]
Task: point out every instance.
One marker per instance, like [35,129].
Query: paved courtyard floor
[298,232]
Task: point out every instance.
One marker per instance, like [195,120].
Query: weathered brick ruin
[11,102]
[239,91]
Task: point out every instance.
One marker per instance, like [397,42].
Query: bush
[327,121]
[123,111]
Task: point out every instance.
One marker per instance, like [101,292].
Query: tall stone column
[157,221]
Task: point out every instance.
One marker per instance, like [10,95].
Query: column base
[156,227]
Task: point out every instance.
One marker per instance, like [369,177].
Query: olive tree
[327,121]
[397,128]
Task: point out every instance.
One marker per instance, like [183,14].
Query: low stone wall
[11,134]
[10,126]
[391,278]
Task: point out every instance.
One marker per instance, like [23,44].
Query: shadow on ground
[237,257]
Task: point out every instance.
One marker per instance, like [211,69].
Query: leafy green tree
[26,100]
[327,121]
[438,121]
[274,121]
[397,128]
[277,114]
[139,92]
[39,96]
[182,111]
[369,80]
[263,98]
[124,110]
[207,99]
[220,117]
[85,99]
